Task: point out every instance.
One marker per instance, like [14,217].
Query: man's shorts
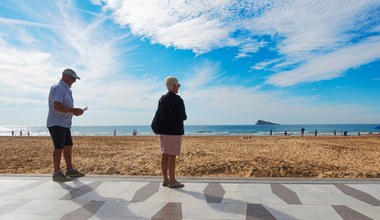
[61,136]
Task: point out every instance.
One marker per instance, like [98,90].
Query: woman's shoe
[165,183]
[176,184]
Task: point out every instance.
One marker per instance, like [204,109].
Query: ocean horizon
[205,130]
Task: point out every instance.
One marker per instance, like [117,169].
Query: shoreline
[204,156]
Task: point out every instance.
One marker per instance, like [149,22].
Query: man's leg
[57,159]
[67,154]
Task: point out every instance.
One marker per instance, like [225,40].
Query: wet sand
[211,156]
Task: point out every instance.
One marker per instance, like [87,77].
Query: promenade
[119,197]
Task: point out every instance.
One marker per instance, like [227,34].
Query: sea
[205,130]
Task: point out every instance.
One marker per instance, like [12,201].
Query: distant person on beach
[20,133]
[114,132]
[134,133]
[302,131]
[270,132]
[345,133]
[28,133]
[334,132]
[358,133]
[286,133]
[171,130]
[59,120]
[13,133]
[315,133]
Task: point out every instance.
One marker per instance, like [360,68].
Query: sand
[212,156]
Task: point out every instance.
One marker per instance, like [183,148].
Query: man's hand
[77,111]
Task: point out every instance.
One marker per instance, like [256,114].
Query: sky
[288,62]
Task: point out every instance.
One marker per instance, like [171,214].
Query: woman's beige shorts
[171,144]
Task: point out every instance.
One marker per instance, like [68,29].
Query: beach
[203,156]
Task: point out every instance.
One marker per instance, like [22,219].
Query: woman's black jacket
[173,114]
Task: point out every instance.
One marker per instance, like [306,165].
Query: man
[61,111]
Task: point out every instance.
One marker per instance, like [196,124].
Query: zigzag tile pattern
[26,197]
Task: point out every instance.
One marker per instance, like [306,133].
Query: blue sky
[290,62]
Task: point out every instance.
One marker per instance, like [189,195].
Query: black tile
[258,212]
[349,214]
[285,194]
[171,211]
[214,193]
[145,192]
[357,194]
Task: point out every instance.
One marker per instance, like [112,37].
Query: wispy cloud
[30,66]
[312,42]
[299,31]
[330,65]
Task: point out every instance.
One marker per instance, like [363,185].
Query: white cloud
[330,65]
[57,36]
[299,31]
[205,74]
[29,67]
[266,64]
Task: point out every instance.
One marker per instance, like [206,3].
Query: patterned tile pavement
[109,197]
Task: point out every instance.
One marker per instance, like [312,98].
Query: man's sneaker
[74,173]
[59,177]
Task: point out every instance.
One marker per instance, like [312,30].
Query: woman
[171,130]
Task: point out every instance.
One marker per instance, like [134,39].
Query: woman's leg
[171,166]
[164,166]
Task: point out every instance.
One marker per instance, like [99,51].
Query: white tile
[230,187]
[43,208]
[338,199]
[8,205]
[303,212]
[47,194]
[233,198]
[321,188]
[370,211]
[116,186]
[179,195]
[197,187]
[270,198]
[297,188]
[27,217]
[214,211]
[14,183]
[309,199]
[109,207]
[367,189]
[375,187]
[102,196]
[262,188]
[138,209]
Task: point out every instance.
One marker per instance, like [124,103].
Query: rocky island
[261,122]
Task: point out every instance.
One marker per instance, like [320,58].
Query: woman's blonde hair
[170,81]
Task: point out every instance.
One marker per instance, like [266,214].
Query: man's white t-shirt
[60,92]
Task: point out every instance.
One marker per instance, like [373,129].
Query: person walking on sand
[302,131]
[59,120]
[315,133]
[171,130]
